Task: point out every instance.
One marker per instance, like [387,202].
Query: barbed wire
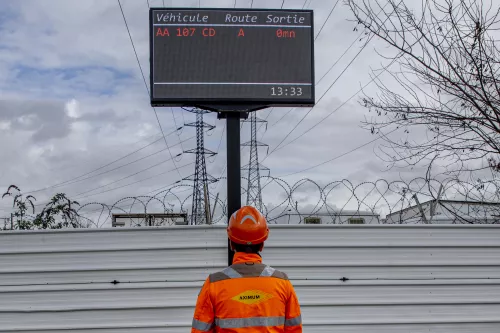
[419,200]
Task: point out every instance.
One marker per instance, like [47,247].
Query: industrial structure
[148,220]
[447,212]
[5,223]
[200,211]
[322,217]
[254,168]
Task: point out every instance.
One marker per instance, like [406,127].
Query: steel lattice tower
[200,212]
[254,190]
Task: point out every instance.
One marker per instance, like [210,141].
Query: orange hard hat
[247,226]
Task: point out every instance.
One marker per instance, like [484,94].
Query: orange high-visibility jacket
[247,296]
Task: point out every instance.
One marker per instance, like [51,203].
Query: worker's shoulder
[217,276]
[247,271]
[280,275]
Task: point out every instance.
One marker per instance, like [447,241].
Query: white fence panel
[349,279]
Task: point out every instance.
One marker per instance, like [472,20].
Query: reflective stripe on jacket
[247,297]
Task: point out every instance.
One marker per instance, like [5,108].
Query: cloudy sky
[75,115]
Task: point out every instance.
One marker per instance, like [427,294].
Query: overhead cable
[328,18]
[337,157]
[76,179]
[146,85]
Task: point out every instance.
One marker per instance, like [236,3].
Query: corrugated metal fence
[382,279]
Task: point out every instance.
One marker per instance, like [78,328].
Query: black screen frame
[226,104]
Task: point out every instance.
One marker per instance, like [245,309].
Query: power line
[109,163]
[79,196]
[345,69]
[175,123]
[119,180]
[329,88]
[171,109]
[347,50]
[354,41]
[348,65]
[338,108]
[336,157]
[146,84]
[339,58]
[329,15]
[221,137]
[134,161]
[122,166]
[222,173]
[282,4]
[164,187]
[74,180]
[263,123]
[139,181]
[284,115]
[114,169]
[324,24]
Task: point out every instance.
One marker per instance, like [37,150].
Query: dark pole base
[233,167]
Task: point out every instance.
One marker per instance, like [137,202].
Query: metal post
[215,206]
[436,203]
[421,209]
[233,169]
[207,205]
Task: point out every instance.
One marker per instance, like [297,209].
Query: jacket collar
[242,257]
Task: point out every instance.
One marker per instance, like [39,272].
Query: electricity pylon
[200,212]
[254,190]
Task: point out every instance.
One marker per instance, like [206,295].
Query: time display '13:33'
[287,91]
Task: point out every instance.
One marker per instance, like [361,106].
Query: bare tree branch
[447,69]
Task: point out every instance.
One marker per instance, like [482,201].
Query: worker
[247,296]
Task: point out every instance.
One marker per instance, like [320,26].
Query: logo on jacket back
[252,297]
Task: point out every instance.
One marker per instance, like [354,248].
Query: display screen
[230,56]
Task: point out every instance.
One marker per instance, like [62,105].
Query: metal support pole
[435,204]
[207,205]
[215,206]
[233,169]
[421,209]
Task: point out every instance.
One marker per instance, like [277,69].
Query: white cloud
[72,109]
